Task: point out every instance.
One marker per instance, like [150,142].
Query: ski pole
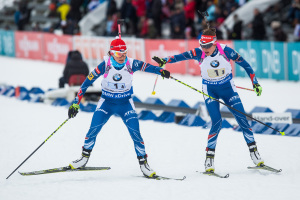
[245,88]
[120,22]
[282,133]
[153,92]
[38,147]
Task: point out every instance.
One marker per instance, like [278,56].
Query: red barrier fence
[42,46]
[54,48]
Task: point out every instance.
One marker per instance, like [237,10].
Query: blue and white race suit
[116,98]
[217,82]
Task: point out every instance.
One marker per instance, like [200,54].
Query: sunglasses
[206,46]
[118,53]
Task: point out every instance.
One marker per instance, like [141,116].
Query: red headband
[207,39]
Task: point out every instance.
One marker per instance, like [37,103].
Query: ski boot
[81,162]
[254,154]
[209,161]
[145,168]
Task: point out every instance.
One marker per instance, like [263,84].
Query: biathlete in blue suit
[117,70]
[214,61]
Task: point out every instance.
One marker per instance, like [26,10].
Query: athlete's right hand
[73,110]
[165,73]
[161,62]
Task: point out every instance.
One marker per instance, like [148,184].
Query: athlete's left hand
[257,89]
[165,73]
[161,62]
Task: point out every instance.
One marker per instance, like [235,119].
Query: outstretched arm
[233,55]
[194,54]
[138,65]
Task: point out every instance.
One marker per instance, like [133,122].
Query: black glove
[161,62]
[73,110]
[165,73]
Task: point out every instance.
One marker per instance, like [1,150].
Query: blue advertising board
[266,58]
[7,43]
[293,56]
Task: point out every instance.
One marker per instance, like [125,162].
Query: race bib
[213,73]
[116,86]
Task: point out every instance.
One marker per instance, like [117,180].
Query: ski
[157,177]
[63,169]
[266,167]
[215,174]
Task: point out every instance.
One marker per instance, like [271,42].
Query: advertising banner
[94,49]
[273,60]
[7,43]
[29,45]
[249,51]
[193,65]
[165,48]
[136,48]
[293,56]
[266,58]
[269,117]
[56,47]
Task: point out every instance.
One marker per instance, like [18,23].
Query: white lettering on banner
[296,62]
[28,45]
[276,62]
[56,48]
[269,117]
[252,59]
[266,61]
[162,52]
[271,61]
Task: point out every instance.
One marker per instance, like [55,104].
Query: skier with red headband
[214,61]
[117,70]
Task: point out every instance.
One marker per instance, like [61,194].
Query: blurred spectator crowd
[175,19]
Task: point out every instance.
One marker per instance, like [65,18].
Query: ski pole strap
[222,51]
[282,133]
[202,58]
[128,67]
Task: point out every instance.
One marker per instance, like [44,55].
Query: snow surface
[173,150]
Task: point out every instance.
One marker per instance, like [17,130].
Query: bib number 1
[213,73]
[116,86]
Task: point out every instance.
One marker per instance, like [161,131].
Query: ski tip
[226,176]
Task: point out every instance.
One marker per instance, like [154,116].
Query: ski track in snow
[173,150]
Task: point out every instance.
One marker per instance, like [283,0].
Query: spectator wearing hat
[279,34]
